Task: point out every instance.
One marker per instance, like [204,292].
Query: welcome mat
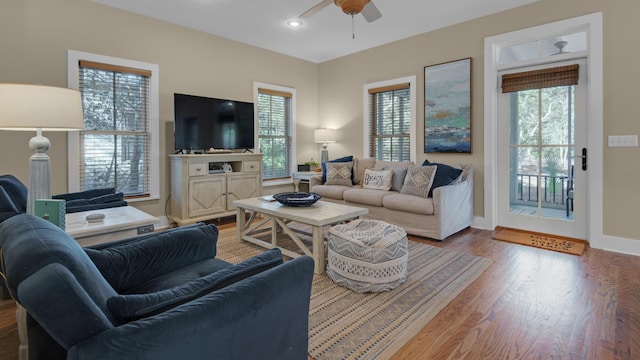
[540,240]
[347,325]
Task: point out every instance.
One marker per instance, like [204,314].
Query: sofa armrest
[454,203]
[314,180]
[130,262]
[51,294]
[269,311]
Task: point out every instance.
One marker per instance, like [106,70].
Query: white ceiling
[323,36]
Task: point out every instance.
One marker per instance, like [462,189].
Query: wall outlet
[623,141]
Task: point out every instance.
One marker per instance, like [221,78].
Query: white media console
[204,186]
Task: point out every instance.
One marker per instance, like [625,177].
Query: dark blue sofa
[160,296]
[13,198]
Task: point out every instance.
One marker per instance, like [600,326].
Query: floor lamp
[324,136]
[39,108]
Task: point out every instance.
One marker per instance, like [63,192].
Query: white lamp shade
[324,135]
[31,107]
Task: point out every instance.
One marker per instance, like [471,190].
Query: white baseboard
[479,223]
[617,244]
[606,242]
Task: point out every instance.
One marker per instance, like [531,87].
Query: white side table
[302,177]
[119,223]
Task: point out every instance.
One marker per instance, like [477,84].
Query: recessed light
[294,23]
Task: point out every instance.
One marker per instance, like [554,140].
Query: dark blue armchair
[160,296]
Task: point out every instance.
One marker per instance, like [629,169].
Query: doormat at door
[540,240]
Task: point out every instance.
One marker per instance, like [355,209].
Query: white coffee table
[318,215]
[119,223]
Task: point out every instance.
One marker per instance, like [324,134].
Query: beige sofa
[447,212]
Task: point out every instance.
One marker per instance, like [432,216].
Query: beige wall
[341,80]
[36,34]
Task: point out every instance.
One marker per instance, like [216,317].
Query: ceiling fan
[350,7]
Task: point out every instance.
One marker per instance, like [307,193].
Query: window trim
[73,138]
[276,89]
[412,103]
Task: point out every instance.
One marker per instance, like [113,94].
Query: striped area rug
[348,325]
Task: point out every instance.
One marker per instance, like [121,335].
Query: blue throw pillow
[445,175]
[338,160]
[136,306]
[399,173]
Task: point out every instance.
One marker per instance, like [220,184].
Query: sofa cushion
[127,264]
[408,203]
[365,196]
[133,307]
[324,165]
[335,192]
[179,276]
[382,163]
[359,166]
[339,173]
[377,179]
[418,180]
[445,175]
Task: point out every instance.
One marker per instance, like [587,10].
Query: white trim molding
[413,104]
[594,54]
[73,57]
[257,85]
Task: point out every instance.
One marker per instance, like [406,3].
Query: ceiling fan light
[294,23]
[351,7]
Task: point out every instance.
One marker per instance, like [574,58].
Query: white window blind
[114,146]
[390,122]
[275,133]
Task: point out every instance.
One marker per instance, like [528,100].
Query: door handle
[584,158]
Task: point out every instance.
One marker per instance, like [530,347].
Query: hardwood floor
[530,304]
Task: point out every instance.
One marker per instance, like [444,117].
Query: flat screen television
[202,123]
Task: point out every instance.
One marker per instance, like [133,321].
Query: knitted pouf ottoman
[367,255]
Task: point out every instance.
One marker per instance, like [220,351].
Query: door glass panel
[557,115]
[523,181]
[541,152]
[525,117]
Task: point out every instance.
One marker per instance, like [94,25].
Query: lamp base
[39,171]
[324,156]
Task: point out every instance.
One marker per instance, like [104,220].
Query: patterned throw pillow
[339,173]
[377,179]
[324,165]
[419,180]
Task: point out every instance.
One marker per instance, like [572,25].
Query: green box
[51,210]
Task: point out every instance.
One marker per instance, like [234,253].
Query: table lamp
[25,107]
[324,136]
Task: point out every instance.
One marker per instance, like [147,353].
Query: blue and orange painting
[447,107]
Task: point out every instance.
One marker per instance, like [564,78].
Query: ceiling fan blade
[321,5]
[371,12]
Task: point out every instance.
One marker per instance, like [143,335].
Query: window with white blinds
[114,147]
[390,121]
[275,132]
